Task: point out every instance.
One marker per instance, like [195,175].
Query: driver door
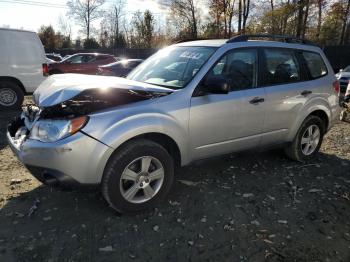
[223,123]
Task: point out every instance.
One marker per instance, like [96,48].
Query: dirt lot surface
[246,207]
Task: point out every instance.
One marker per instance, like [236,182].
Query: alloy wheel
[310,140]
[142,179]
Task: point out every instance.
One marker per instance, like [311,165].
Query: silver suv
[189,101]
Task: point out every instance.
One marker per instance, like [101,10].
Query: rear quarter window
[315,64]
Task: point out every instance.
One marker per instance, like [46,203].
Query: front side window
[281,67]
[315,63]
[78,59]
[172,67]
[347,69]
[89,58]
[238,68]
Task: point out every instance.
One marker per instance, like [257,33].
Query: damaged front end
[49,122]
[46,137]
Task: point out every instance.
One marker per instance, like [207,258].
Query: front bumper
[78,159]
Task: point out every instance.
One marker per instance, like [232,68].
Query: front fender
[135,125]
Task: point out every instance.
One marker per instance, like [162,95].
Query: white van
[22,66]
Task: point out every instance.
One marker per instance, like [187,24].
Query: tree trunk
[306,14]
[88,20]
[319,19]
[272,17]
[345,21]
[239,16]
[246,8]
[300,18]
[194,21]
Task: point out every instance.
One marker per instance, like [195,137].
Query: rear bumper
[75,160]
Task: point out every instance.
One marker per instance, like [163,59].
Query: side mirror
[341,70]
[217,85]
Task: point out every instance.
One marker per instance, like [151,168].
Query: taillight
[45,70]
[336,86]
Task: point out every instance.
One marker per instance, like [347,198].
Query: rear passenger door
[284,77]
[222,123]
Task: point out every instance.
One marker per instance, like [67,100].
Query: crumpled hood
[60,88]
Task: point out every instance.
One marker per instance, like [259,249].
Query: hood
[64,87]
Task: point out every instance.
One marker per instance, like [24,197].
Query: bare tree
[221,12]
[188,11]
[64,26]
[345,21]
[85,12]
[115,17]
[240,16]
[245,14]
[320,5]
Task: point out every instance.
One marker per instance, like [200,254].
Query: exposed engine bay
[86,102]
[92,100]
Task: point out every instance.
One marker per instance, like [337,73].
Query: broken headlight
[54,130]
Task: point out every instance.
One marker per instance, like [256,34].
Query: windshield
[347,69]
[172,67]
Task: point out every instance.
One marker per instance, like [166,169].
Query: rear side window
[315,63]
[282,67]
[101,57]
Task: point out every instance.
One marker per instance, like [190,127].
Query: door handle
[306,92]
[257,100]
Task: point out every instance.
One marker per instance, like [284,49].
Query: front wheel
[308,140]
[138,176]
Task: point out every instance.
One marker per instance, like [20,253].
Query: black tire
[55,72]
[11,95]
[111,181]
[294,151]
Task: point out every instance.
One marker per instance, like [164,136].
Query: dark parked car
[82,63]
[54,57]
[120,68]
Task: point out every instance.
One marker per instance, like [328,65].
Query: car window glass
[238,67]
[78,59]
[315,64]
[347,69]
[282,67]
[89,58]
[99,58]
[172,67]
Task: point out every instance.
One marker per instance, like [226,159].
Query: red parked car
[82,63]
[120,68]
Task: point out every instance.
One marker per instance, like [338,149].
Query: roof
[211,42]
[18,30]
[91,54]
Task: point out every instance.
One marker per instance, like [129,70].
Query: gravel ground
[245,207]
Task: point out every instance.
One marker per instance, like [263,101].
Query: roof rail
[285,38]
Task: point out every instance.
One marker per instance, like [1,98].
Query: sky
[31,14]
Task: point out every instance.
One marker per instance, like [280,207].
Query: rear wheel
[308,140]
[11,95]
[138,176]
[55,72]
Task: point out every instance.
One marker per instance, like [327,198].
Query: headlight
[53,130]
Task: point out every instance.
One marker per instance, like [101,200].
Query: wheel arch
[14,80]
[164,140]
[320,111]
